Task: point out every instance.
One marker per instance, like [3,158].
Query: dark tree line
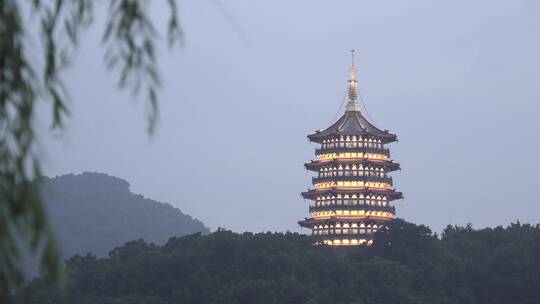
[407,264]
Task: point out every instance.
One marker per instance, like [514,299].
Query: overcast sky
[458,81]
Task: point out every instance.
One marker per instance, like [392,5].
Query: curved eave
[388,164]
[309,222]
[319,136]
[392,194]
[352,123]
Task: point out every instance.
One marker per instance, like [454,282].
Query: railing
[331,236]
[365,178]
[383,151]
[391,209]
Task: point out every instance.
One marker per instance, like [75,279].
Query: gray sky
[458,81]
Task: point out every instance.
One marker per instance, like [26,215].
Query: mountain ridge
[94,212]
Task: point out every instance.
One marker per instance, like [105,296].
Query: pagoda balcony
[340,236]
[388,165]
[391,209]
[391,194]
[311,222]
[365,178]
[383,151]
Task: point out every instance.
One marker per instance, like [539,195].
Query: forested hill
[407,265]
[94,212]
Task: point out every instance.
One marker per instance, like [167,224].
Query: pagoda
[351,190]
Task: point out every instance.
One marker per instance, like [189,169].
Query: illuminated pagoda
[352,190]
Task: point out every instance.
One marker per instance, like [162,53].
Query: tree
[226,267]
[130,39]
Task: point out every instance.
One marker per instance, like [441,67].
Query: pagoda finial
[353,68]
[352,104]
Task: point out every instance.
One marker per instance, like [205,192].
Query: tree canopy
[407,264]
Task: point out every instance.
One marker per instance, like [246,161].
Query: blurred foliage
[407,264]
[130,39]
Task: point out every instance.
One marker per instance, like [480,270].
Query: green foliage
[407,264]
[130,40]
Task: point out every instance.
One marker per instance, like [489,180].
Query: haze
[458,81]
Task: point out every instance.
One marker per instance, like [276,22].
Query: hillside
[409,264]
[94,212]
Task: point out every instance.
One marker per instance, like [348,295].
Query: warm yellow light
[351,155]
[352,214]
[352,184]
[352,242]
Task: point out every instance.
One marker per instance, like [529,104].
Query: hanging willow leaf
[130,39]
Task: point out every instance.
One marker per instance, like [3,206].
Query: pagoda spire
[352,103]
